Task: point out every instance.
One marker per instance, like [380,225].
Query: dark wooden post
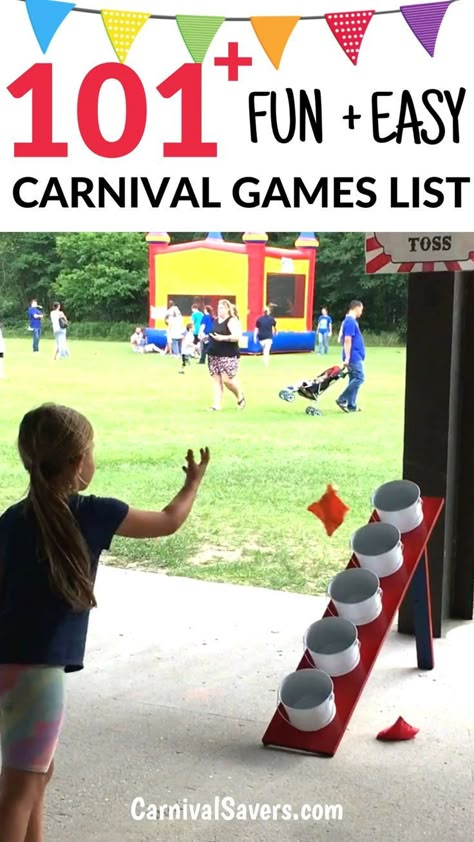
[461,546]
[425,457]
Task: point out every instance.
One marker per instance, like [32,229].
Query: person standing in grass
[224,353]
[196,317]
[176,330]
[35,317]
[353,356]
[188,348]
[50,544]
[168,348]
[59,325]
[265,330]
[324,331]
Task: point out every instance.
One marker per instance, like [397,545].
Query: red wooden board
[348,688]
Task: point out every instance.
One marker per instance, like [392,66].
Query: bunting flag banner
[425,22]
[122,29]
[349,29]
[198,33]
[46,17]
[273,34]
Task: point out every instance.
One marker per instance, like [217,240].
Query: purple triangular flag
[425,22]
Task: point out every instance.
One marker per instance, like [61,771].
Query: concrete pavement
[179,686]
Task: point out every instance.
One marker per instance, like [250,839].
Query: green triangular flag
[197,33]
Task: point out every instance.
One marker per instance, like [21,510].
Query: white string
[236,20]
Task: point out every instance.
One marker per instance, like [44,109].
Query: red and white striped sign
[420,252]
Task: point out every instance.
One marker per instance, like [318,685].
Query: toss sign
[419,252]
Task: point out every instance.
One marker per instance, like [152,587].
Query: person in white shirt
[138,341]
[171,306]
[59,324]
[176,330]
[188,346]
[2,352]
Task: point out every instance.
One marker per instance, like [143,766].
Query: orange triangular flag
[330,510]
[273,34]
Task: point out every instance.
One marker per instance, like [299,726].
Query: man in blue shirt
[353,356]
[35,315]
[324,331]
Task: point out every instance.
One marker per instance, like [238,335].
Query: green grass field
[268,463]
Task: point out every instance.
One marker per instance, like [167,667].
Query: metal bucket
[333,645]
[378,548]
[399,503]
[357,595]
[308,698]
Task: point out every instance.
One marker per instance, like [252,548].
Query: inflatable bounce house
[250,274]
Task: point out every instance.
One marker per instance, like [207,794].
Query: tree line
[103,277]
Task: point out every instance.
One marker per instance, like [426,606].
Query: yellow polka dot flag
[122,29]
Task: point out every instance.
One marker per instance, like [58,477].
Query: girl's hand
[195,472]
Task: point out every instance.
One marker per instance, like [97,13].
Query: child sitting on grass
[50,544]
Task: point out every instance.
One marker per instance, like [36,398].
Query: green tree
[340,277]
[103,277]
[29,265]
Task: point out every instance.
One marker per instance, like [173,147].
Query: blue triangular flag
[46,17]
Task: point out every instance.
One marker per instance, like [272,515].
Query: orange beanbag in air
[330,510]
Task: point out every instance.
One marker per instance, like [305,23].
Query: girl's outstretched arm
[142,524]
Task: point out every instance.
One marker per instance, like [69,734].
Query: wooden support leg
[462,545]
[421,603]
[425,458]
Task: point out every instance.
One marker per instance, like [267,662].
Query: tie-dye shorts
[31,714]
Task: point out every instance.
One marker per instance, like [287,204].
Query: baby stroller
[311,389]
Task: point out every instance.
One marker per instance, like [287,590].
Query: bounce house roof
[215,241]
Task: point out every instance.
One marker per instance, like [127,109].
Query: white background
[391,59]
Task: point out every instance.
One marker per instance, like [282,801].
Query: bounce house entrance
[252,275]
[185,302]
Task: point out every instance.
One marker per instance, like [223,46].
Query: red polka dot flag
[349,29]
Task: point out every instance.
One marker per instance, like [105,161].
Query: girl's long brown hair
[52,440]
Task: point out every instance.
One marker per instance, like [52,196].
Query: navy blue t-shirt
[37,626]
[265,325]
